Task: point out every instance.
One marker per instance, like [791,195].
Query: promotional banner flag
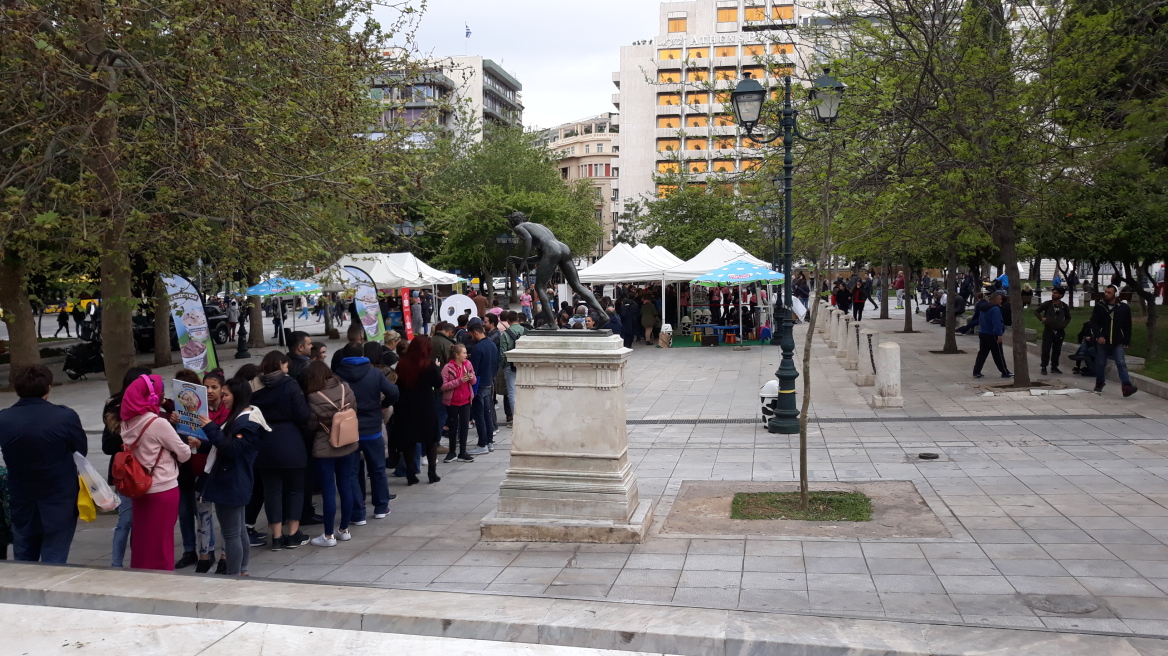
[407,319]
[190,324]
[368,311]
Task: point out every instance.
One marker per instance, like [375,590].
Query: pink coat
[454,391]
[160,437]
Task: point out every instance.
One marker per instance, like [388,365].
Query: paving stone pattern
[1067,513]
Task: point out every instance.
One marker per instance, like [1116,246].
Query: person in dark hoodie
[229,483]
[1055,317]
[1111,327]
[990,330]
[629,313]
[484,357]
[282,454]
[372,392]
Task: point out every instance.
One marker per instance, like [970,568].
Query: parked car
[144,329]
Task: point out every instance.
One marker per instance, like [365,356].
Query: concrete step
[653,628]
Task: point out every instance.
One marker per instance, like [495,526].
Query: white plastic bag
[103,495]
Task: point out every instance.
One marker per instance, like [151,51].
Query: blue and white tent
[283,287]
[739,272]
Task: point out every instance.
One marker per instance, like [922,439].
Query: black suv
[144,329]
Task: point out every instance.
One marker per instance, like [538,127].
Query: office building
[674,89]
[587,150]
[486,91]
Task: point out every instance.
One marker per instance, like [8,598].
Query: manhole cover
[928,456]
[1062,604]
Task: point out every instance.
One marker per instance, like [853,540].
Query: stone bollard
[866,358]
[841,349]
[832,328]
[887,377]
[851,362]
[821,317]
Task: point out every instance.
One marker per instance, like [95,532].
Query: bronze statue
[553,254]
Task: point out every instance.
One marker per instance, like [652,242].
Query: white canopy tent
[623,264]
[666,256]
[385,273]
[718,254]
[425,274]
[329,280]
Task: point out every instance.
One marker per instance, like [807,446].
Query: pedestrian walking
[1055,317]
[898,285]
[1111,327]
[232,320]
[990,329]
[62,321]
[38,440]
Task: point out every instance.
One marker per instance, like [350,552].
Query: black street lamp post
[748,99]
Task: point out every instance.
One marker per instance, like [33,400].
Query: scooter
[87,357]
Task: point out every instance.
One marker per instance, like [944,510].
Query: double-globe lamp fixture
[748,99]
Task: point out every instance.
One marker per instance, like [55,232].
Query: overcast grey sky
[563,51]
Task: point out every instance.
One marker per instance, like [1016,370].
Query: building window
[668,122]
[676,25]
[754,13]
[784,12]
[697,121]
[724,121]
[756,72]
[667,167]
[669,99]
[697,97]
[728,14]
[698,53]
[754,50]
[668,144]
[782,48]
[697,166]
[726,51]
[697,75]
[722,97]
[723,166]
[782,70]
[724,143]
[599,148]
[751,164]
[666,77]
[664,191]
[695,144]
[669,53]
[587,148]
[725,73]
[564,173]
[608,170]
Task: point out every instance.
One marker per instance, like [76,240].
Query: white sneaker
[380,515]
[477,451]
[360,523]
[491,446]
[323,541]
[344,536]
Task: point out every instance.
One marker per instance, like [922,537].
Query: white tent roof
[331,279]
[655,258]
[718,254]
[667,256]
[425,274]
[622,264]
[384,272]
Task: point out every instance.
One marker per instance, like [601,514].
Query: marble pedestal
[569,479]
[866,358]
[887,377]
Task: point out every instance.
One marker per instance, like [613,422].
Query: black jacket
[1058,317]
[282,402]
[298,368]
[38,440]
[232,477]
[372,391]
[1112,322]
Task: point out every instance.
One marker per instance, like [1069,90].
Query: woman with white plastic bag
[103,495]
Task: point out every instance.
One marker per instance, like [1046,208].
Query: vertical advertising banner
[195,345]
[407,319]
[365,298]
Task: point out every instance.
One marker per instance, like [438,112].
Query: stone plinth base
[529,529]
[865,380]
[877,401]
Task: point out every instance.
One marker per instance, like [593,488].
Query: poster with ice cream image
[365,299]
[195,345]
[190,401]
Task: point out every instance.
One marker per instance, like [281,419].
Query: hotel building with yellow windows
[674,90]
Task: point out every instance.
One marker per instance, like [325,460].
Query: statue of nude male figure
[553,254]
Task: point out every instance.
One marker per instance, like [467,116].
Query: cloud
[564,53]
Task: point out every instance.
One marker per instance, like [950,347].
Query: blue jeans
[328,472]
[1105,352]
[373,450]
[122,531]
[34,541]
[481,413]
[527,312]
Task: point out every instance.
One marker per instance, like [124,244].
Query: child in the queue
[229,471]
[458,379]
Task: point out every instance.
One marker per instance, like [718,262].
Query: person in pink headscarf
[159,449]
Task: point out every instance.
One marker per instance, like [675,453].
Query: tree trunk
[255,315]
[951,299]
[909,292]
[22,330]
[162,355]
[885,275]
[117,303]
[1008,245]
